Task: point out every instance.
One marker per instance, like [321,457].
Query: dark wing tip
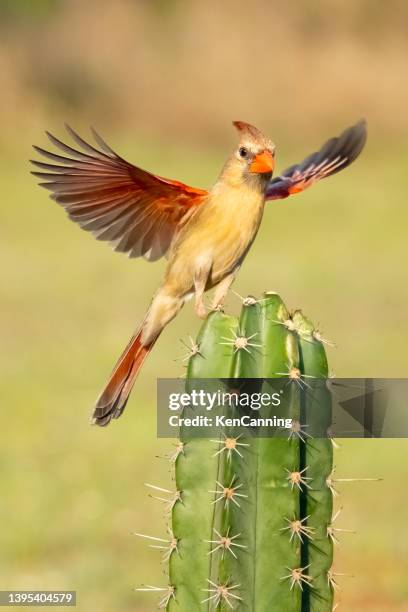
[359,130]
[335,155]
[353,141]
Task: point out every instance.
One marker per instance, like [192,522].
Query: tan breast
[217,236]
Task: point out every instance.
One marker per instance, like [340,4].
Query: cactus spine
[252,515]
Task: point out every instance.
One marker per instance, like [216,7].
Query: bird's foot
[201,310]
[217,307]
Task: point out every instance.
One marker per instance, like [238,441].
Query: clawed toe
[217,307]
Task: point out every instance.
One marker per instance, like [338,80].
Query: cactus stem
[287,519]
[229,445]
[297,577]
[192,349]
[239,341]
[228,493]
[170,502]
[169,593]
[297,528]
[221,592]
[297,479]
[298,431]
[225,543]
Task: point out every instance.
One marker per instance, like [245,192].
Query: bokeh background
[162,80]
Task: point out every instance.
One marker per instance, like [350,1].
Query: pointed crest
[252,133]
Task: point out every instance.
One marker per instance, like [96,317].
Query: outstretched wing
[137,212]
[336,154]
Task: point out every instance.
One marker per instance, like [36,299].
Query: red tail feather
[112,401]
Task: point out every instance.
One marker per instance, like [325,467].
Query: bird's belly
[229,251]
[227,245]
[216,242]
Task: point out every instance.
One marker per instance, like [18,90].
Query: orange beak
[263,162]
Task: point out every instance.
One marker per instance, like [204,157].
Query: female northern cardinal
[204,234]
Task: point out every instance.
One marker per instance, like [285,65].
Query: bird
[205,234]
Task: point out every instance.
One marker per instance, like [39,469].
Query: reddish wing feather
[137,212]
[336,154]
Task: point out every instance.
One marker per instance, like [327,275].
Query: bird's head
[253,160]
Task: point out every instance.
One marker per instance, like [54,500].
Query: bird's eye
[243,152]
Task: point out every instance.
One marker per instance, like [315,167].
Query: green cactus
[251,518]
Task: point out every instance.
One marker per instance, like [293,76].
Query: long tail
[112,401]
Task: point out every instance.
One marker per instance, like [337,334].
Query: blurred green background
[162,81]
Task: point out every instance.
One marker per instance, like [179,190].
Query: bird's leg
[222,290]
[200,282]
